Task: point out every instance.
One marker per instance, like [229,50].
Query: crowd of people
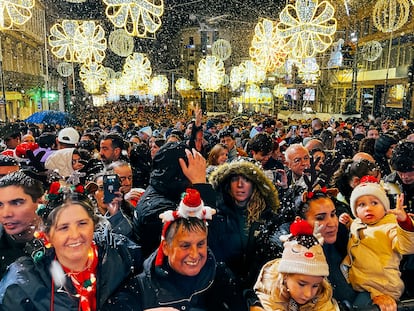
[143,209]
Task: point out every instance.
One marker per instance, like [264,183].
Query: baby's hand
[344,218]
[399,210]
[385,303]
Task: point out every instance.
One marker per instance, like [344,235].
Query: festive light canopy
[121,43]
[93,76]
[15,12]
[137,69]
[183,85]
[221,49]
[61,40]
[371,51]
[65,69]
[158,85]
[267,49]
[210,73]
[137,17]
[390,15]
[90,42]
[308,27]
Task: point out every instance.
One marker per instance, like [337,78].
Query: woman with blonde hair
[218,155]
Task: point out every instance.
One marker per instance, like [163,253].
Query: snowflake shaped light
[210,73]
[371,51]
[235,78]
[308,27]
[137,17]
[267,48]
[137,69]
[61,40]
[158,85]
[390,15]
[251,73]
[90,42]
[93,76]
[221,49]
[183,85]
[15,12]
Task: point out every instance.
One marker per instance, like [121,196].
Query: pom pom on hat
[190,205]
[368,186]
[303,253]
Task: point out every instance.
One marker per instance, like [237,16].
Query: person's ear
[165,248]
[354,181]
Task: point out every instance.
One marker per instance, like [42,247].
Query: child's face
[302,288]
[369,209]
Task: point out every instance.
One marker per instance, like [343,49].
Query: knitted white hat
[369,188]
[303,254]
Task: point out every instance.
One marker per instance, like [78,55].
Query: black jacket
[28,285]
[212,289]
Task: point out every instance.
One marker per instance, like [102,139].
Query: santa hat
[369,186]
[303,253]
[190,205]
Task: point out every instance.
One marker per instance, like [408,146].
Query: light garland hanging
[390,15]
[64,69]
[93,76]
[137,69]
[371,51]
[267,48]
[61,40]
[90,42]
[183,85]
[137,17]
[15,12]
[221,49]
[121,43]
[210,73]
[158,85]
[308,27]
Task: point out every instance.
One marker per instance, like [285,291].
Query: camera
[111,184]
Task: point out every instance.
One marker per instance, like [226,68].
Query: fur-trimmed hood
[221,177]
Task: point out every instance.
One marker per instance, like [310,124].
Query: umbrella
[52,117]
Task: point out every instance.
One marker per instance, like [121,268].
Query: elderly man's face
[298,161]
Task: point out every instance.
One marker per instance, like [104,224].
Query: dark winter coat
[10,250]
[212,289]
[167,183]
[239,244]
[28,284]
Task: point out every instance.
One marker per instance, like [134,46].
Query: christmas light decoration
[137,69]
[183,85]
[267,48]
[390,15]
[110,73]
[121,43]
[158,85]
[65,69]
[15,12]
[235,78]
[137,17]
[251,73]
[279,90]
[93,76]
[90,42]
[371,51]
[221,49]
[61,40]
[76,1]
[308,27]
[336,58]
[210,73]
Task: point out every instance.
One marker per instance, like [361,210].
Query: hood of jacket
[220,179]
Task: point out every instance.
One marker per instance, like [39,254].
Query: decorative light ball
[279,90]
[252,93]
[267,48]
[221,49]
[210,73]
[183,85]
[371,51]
[158,85]
[138,69]
[121,43]
[65,69]
[110,73]
[390,15]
